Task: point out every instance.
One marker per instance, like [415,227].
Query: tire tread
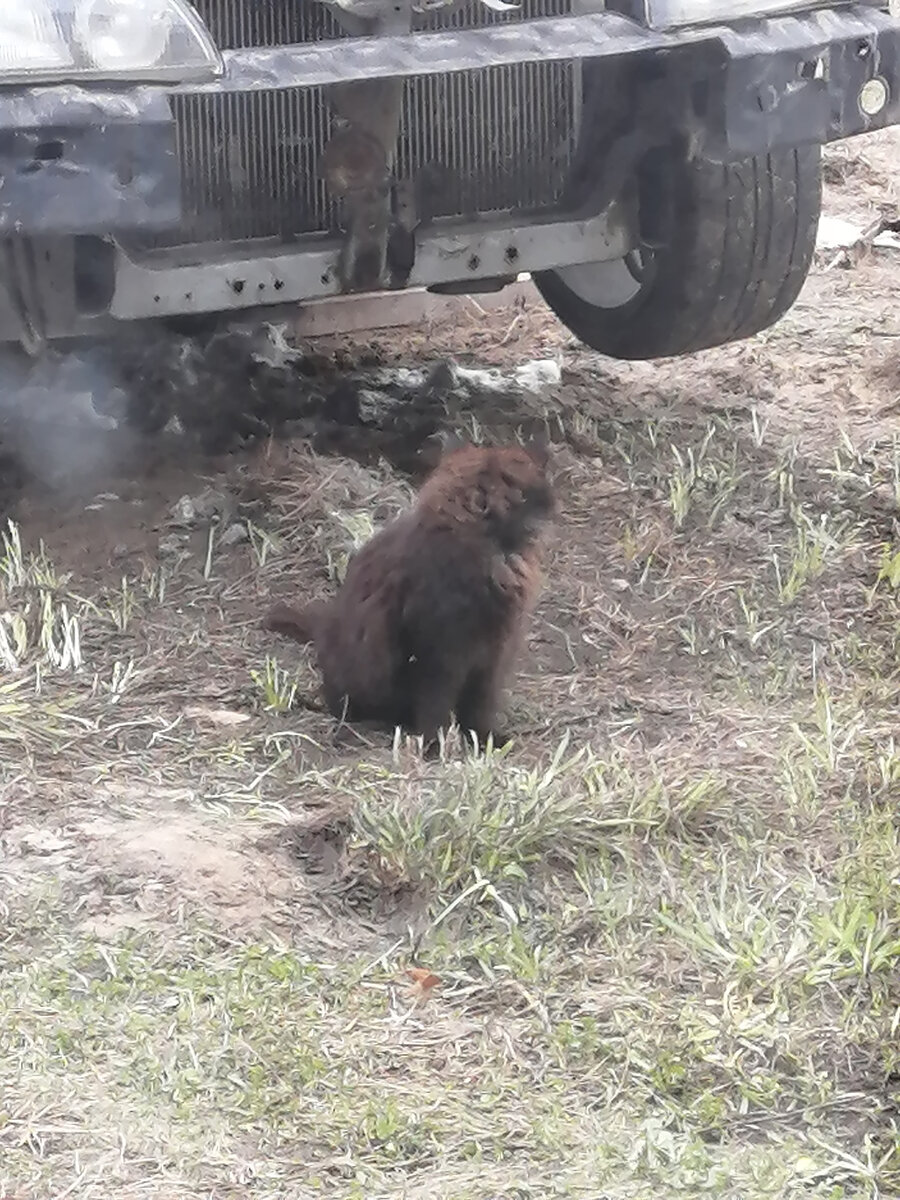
[741,240]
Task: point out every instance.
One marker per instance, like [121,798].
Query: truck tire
[727,247]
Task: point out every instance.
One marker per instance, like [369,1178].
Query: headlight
[149,41]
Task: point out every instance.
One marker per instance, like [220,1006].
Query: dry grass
[665,920]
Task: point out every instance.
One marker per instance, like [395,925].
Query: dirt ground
[654,942]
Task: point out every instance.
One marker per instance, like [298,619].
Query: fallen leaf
[423,983]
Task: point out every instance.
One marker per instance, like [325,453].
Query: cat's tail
[299,624]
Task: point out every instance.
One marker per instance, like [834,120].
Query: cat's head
[507,487]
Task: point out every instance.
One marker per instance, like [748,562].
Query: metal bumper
[781,81]
[74,160]
[162,284]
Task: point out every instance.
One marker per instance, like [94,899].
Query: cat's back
[377,570]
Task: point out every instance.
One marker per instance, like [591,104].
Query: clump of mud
[237,385]
[66,415]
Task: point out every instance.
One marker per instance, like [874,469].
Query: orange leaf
[423,983]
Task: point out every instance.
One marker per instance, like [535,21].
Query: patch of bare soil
[157,862]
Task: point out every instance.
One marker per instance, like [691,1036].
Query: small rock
[171,545]
[190,509]
[100,501]
[538,374]
[184,511]
[472,379]
[274,350]
[398,377]
[234,534]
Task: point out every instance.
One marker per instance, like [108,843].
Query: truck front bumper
[77,160]
[782,81]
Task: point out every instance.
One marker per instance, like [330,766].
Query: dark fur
[432,609]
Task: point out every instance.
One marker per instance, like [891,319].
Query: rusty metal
[218,278]
[358,167]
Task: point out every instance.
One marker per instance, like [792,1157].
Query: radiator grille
[237,24]
[476,142]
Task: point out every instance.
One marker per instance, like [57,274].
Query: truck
[653,165]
